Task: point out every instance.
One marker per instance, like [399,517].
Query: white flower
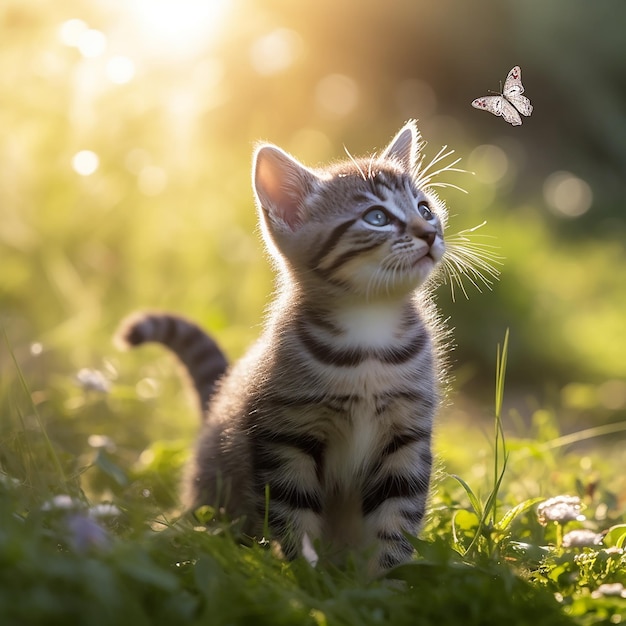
[101,442]
[62,502]
[581,538]
[561,509]
[93,380]
[104,509]
[609,589]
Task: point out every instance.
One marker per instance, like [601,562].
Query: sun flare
[179,27]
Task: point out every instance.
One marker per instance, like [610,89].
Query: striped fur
[333,407]
[200,355]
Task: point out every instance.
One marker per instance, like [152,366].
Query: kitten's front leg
[394,500]
[296,530]
[388,527]
[287,467]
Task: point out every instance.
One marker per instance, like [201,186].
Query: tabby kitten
[332,409]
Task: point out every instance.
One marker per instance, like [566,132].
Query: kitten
[332,409]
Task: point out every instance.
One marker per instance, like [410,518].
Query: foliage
[102,543]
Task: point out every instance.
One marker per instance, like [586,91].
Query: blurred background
[126,132]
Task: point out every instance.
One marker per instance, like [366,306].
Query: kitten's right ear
[404,147]
[281,185]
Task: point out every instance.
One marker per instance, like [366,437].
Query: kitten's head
[360,228]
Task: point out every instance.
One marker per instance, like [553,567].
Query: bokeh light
[92,43]
[337,95]
[612,394]
[276,51]
[490,163]
[85,162]
[567,195]
[152,180]
[71,31]
[120,70]
[312,144]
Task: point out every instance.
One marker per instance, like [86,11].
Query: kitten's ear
[281,185]
[404,146]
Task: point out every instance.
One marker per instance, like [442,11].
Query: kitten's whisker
[471,230]
[370,173]
[476,251]
[467,259]
[484,259]
[451,185]
[356,164]
[454,278]
[425,178]
[425,173]
[436,159]
[472,266]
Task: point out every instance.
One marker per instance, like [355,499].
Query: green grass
[483,557]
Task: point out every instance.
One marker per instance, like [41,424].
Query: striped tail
[204,361]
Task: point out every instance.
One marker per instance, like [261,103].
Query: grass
[97,539]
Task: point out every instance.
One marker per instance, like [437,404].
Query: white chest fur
[371,326]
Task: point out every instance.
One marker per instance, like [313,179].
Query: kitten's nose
[428,237]
[422,229]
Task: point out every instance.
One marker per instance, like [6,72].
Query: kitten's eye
[376,216]
[424,211]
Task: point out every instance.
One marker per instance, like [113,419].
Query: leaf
[141,568]
[110,469]
[511,514]
[615,536]
[527,552]
[466,527]
[492,500]
[474,501]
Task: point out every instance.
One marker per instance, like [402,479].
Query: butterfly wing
[521,103]
[498,105]
[513,83]
[513,90]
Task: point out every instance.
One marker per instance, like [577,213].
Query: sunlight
[179,27]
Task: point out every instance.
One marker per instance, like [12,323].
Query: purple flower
[86,534]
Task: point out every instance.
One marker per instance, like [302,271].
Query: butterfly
[510,103]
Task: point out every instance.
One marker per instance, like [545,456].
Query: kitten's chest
[353,439]
[354,380]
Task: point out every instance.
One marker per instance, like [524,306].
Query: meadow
[125,184]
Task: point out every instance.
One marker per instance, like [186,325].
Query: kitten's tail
[204,361]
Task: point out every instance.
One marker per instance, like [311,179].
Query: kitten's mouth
[427,255]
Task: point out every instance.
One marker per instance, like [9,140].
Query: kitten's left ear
[404,146]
